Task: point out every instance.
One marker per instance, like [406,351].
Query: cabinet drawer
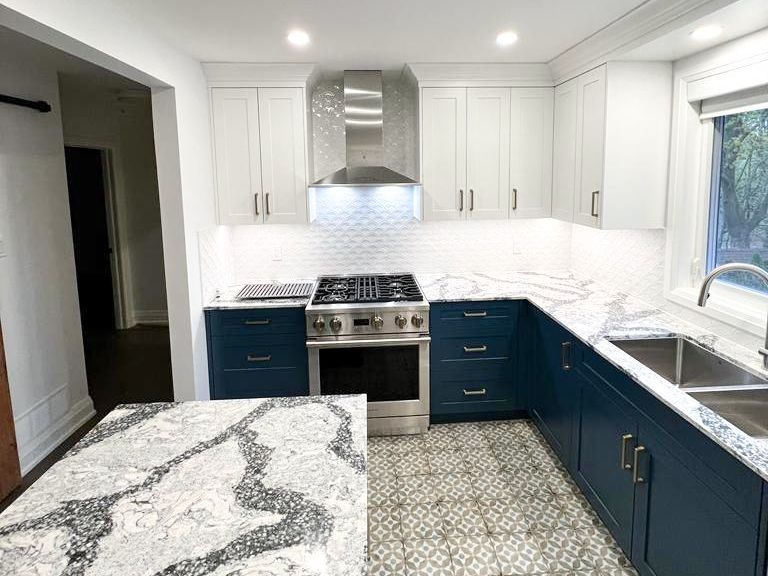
[256,321]
[474,318]
[265,383]
[467,348]
[472,395]
[248,353]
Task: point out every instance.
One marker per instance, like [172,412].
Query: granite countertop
[271,486]
[227,297]
[594,313]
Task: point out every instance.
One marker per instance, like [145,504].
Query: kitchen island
[265,486]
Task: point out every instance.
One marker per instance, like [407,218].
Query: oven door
[393,372]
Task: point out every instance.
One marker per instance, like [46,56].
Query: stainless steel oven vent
[267,291]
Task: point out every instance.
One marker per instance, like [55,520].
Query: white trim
[259,75]
[462,75]
[152,317]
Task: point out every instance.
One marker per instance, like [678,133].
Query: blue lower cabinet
[474,371]
[256,353]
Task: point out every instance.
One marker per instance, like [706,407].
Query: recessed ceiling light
[506,38]
[707,32]
[298,37]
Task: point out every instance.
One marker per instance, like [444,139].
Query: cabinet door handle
[256,203]
[266,202]
[514,198]
[482,348]
[257,322]
[471,199]
[461,200]
[594,207]
[266,358]
[480,392]
[481,314]
[625,439]
[636,477]
[565,355]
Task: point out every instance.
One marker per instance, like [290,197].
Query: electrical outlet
[277,253]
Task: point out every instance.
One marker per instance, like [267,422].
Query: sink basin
[745,409]
[688,365]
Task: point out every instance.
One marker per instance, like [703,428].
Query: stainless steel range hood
[364,121]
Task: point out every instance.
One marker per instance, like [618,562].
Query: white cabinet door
[236,152]
[590,144]
[564,154]
[444,152]
[531,152]
[283,162]
[488,126]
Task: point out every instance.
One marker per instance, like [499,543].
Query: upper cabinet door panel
[488,126]
[283,162]
[564,153]
[444,145]
[531,152]
[590,138]
[236,150]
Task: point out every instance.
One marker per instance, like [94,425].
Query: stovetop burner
[364,289]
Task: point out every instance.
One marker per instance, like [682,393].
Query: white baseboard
[152,317]
[32,452]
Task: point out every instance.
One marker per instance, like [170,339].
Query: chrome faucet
[735,267]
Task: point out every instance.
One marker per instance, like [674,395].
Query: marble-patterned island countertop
[594,313]
[227,297]
[271,486]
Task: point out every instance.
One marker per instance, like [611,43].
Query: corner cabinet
[611,146]
[261,143]
[486,152]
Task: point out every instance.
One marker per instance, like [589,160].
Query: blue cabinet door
[682,527]
[606,435]
[551,386]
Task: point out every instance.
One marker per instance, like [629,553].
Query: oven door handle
[367,343]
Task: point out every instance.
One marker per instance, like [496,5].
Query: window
[738,215]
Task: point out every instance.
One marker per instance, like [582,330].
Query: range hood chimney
[364,122]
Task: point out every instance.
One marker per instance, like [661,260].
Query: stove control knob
[400,321]
[336,324]
[319,324]
[378,322]
[417,320]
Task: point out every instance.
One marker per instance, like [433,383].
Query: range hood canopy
[363,122]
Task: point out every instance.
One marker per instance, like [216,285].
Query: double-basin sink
[727,389]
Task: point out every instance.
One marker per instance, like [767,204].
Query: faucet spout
[735,267]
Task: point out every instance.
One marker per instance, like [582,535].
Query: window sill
[742,312]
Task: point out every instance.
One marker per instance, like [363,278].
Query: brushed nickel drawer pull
[594,197]
[461,200]
[471,199]
[256,203]
[636,478]
[480,392]
[266,358]
[266,202]
[482,348]
[482,314]
[565,355]
[514,198]
[257,322]
[625,439]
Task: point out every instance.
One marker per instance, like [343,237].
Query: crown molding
[480,74]
[254,74]
[649,21]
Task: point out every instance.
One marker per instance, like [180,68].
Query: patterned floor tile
[471,436]
[453,487]
[462,519]
[473,556]
[421,521]
[501,431]
[519,554]
[382,490]
[446,463]
[527,481]
[428,557]
[380,464]
[480,460]
[410,463]
[492,486]
[386,559]
[564,549]
[384,524]
[503,517]
[403,444]
[440,438]
[545,512]
[418,489]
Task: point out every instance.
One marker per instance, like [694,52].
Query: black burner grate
[362,289]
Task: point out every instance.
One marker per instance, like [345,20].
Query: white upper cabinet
[488,152]
[444,145]
[283,175]
[531,152]
[611,146]
[236,151]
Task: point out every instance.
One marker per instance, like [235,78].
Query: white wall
[38,295]
[99,116]
[99,31]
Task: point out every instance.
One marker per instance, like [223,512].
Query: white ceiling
[375,33]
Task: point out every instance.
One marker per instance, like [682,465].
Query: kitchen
[509,238]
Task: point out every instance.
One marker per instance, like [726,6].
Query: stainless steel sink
[745,409]
[688,365]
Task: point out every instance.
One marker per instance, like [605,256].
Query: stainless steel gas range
[370,335]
